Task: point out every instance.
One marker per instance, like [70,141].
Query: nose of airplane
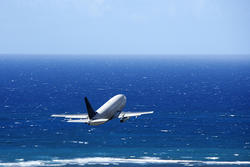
[122,96]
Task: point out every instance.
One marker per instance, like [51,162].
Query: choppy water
[202,112]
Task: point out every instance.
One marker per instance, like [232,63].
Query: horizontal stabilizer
[99,120]
[78,120]
[88,121]
[80,116]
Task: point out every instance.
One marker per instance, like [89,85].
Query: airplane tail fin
[90,110]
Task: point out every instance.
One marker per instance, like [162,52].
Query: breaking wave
[116,161]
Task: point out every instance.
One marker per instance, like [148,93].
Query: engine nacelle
[124,119]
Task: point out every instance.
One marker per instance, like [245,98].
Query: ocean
[201,112]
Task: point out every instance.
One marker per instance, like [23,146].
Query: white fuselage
[110,109]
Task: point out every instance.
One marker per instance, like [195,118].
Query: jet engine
[123,119]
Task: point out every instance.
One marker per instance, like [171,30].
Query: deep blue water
[202,112]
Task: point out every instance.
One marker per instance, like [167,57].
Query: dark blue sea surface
[202,112]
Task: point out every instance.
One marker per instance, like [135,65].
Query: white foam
[117,161]
[24,163]
[212,158]
[79,142]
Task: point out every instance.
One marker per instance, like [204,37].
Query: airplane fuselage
[110,109]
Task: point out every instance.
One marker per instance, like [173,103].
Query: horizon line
[131,56]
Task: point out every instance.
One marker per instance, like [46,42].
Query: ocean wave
[116,161]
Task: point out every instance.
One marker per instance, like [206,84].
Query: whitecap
[212,158]
[24,163]
[117,161]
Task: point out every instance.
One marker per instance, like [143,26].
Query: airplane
[108,111]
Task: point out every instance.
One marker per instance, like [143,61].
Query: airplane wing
[79,116]
[87,120]
[133,114]
[78,120]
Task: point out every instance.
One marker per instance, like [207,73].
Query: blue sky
[134,27]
